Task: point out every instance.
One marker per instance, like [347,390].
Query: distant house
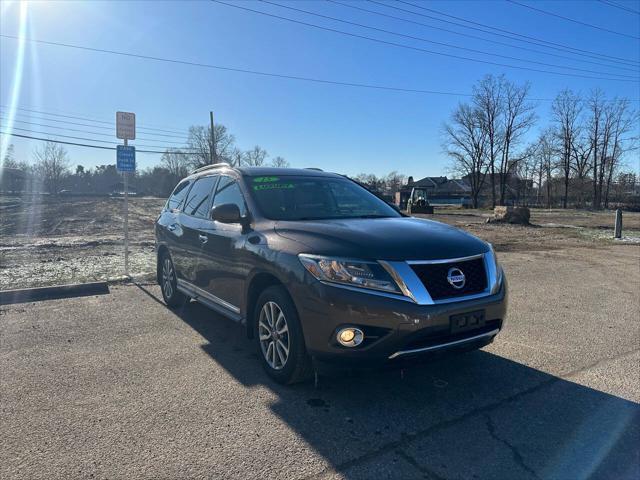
[515,188]
[439,191]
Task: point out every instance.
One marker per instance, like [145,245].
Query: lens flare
[17,82]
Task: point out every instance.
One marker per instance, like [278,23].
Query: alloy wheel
[167,277]
[273,333]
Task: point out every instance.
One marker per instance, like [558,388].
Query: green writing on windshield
[273,186]
[265,179]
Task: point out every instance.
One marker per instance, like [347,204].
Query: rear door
[169,231]
[225,262]
[193,219]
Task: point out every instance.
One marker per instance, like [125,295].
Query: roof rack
[314,168]
[209,167]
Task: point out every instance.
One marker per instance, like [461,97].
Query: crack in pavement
[517,456]
[413,462]
[407,439]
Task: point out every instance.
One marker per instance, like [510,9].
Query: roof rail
[314,168]
[209,167]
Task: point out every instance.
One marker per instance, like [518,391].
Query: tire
[278,335]
[168,283]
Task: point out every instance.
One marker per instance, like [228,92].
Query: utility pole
[212,140]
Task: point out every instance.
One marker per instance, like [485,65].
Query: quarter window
[176,198]
[228,191]
[199,198]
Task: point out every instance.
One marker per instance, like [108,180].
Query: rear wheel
[169,283]
[279,337]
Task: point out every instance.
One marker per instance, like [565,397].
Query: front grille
[434,277]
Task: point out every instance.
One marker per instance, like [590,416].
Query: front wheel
[169,283]
[279,337]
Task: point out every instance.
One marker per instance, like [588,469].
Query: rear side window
[197,203]
[176,198]
[228,191]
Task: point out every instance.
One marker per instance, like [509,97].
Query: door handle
[203,238]
[171,227]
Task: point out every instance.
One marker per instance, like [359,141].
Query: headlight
[495,271]
[356,273]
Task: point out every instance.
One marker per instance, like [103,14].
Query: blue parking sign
[126,158]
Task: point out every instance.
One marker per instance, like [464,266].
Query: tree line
[575,159]
[50,169]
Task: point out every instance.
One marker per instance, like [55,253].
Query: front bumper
[395,330]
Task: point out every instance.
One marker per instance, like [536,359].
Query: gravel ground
[119,386]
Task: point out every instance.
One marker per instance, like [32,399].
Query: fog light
[350,337]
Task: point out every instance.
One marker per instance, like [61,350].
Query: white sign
[126,125]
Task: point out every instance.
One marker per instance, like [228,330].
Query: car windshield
[315,198]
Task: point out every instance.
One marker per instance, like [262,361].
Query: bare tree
[545,152]
[176,162]
[394,181]
[255,157]
[465,141]
[199,145]
[279,162]
[566,110]
[489,100]
[518,117]
[52,164]
[623,120]
[595,104]
[9,160]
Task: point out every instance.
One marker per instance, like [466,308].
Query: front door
[224,262]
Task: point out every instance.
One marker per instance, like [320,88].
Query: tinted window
[228,191]
[176,198]
[309,198]
[199,198]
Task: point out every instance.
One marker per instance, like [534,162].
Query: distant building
[439,191]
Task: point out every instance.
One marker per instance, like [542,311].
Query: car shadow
[476,415]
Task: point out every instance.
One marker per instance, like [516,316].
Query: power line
[615,5]
[400,45]
[252,72]
[82,144]
[578,22]
[412,37]
[111,123]
[95,139]
[467,35]
[528,37]
[322,81]
[77,130]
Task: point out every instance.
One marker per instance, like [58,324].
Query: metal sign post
[125,163]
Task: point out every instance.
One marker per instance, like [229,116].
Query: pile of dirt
[512,215]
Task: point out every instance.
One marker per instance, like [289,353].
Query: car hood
[400,238]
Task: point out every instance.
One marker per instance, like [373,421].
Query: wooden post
[618,229]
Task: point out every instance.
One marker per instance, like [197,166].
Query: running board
[210,301]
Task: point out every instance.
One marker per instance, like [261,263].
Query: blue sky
[344,129]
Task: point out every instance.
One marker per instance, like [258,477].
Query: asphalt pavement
[119,386]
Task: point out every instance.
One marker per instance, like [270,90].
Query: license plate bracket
[463,322]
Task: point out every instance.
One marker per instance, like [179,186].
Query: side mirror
[226,213]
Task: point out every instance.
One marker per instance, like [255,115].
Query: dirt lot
[46,241]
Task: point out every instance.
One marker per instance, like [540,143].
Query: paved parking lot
[118,386]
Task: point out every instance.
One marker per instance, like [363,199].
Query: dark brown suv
[320,269]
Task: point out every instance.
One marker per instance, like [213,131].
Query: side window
[228,191]
[197,203]
[176,198]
